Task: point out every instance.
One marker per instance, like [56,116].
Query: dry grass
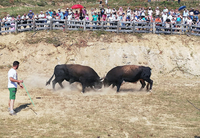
[68,113]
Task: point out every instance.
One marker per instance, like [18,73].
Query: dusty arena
[172,109]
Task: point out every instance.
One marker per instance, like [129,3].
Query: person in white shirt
[128,12]
[157,11]
[12,86]
[24,19]
[189,21]
[41,17]
[164,17]
[108,12]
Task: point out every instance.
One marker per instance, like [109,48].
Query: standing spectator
[60,14]
[185,12]
[4,20]
[76,15]
[150,12]
[81,15]
[84,11]
[191,13]
[95,18]
[164,17]
[120,12]
[167,24]
[108,12]
[66,13]
[114,11]
[100,3]
[24,19]
[12,86]
[157,12]
[50,12]
[106,2]
[54,15]
[165,10]
[102,10]
[8,19]
[128,12]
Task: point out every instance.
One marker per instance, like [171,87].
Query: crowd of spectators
[160,16]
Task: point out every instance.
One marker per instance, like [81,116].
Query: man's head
[16,64]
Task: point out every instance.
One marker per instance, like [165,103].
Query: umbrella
[182,7]
[77,6]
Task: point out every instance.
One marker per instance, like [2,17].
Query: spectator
[95,18]
[191,13]
[185,12]
[41,18]
[8,19]
[54,15]
[86,17]
[189,21]
[150,12]
[30,16]
[178,19]
[167,24]
[157,12]
[60,14]
[102,10]
[164,17]
[66,13]
[24,19]
[50,12]
[76,15]
[165,10]
[128,12]
[48,17]
[100,3]
[108,12]
[196,13]
[120,12]
[84,11]
[106,2]
[104,17]
[114,11]
[158,22]
[4,20]
[81,15]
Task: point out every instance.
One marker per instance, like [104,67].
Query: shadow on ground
[23,106]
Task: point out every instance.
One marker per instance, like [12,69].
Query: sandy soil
[103,113]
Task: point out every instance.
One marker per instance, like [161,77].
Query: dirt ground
[170,110]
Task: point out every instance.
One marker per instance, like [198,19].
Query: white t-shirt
[13,74]
[108,11]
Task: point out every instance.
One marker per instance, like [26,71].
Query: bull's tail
[48,82]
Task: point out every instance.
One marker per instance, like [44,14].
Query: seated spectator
[24,19]
[157,12]
[104,17]
[184,19]
[164,17]
[120,12]
[84,11]
[4,20]
[178,19]
[158,22]
[114,11]
[150,12]
[185,13]
[167,24]
[18,19]
[48,17]
[128,12]
[102,11]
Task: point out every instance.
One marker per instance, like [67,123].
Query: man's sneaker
[12,113]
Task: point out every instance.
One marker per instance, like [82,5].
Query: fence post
[34,26]
[66,27]
[190,29]
[133,27]
[84,25]
[154,27]
[118,26]
[101,25]
[51,24]
[16,27]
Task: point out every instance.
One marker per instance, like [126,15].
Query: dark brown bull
[76,73]
[128,73]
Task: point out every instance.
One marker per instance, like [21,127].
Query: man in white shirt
[108,12]
[12,86]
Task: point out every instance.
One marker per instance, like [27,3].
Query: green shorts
[13,92]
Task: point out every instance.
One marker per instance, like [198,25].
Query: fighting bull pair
[89,78]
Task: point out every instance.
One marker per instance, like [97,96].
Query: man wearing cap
[60,14]
[30,16]
[50,12]
[66,13]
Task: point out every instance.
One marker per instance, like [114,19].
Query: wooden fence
[114,26]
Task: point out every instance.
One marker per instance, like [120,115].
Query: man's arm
[18,81]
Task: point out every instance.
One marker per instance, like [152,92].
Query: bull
[75,73]
[128,73]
